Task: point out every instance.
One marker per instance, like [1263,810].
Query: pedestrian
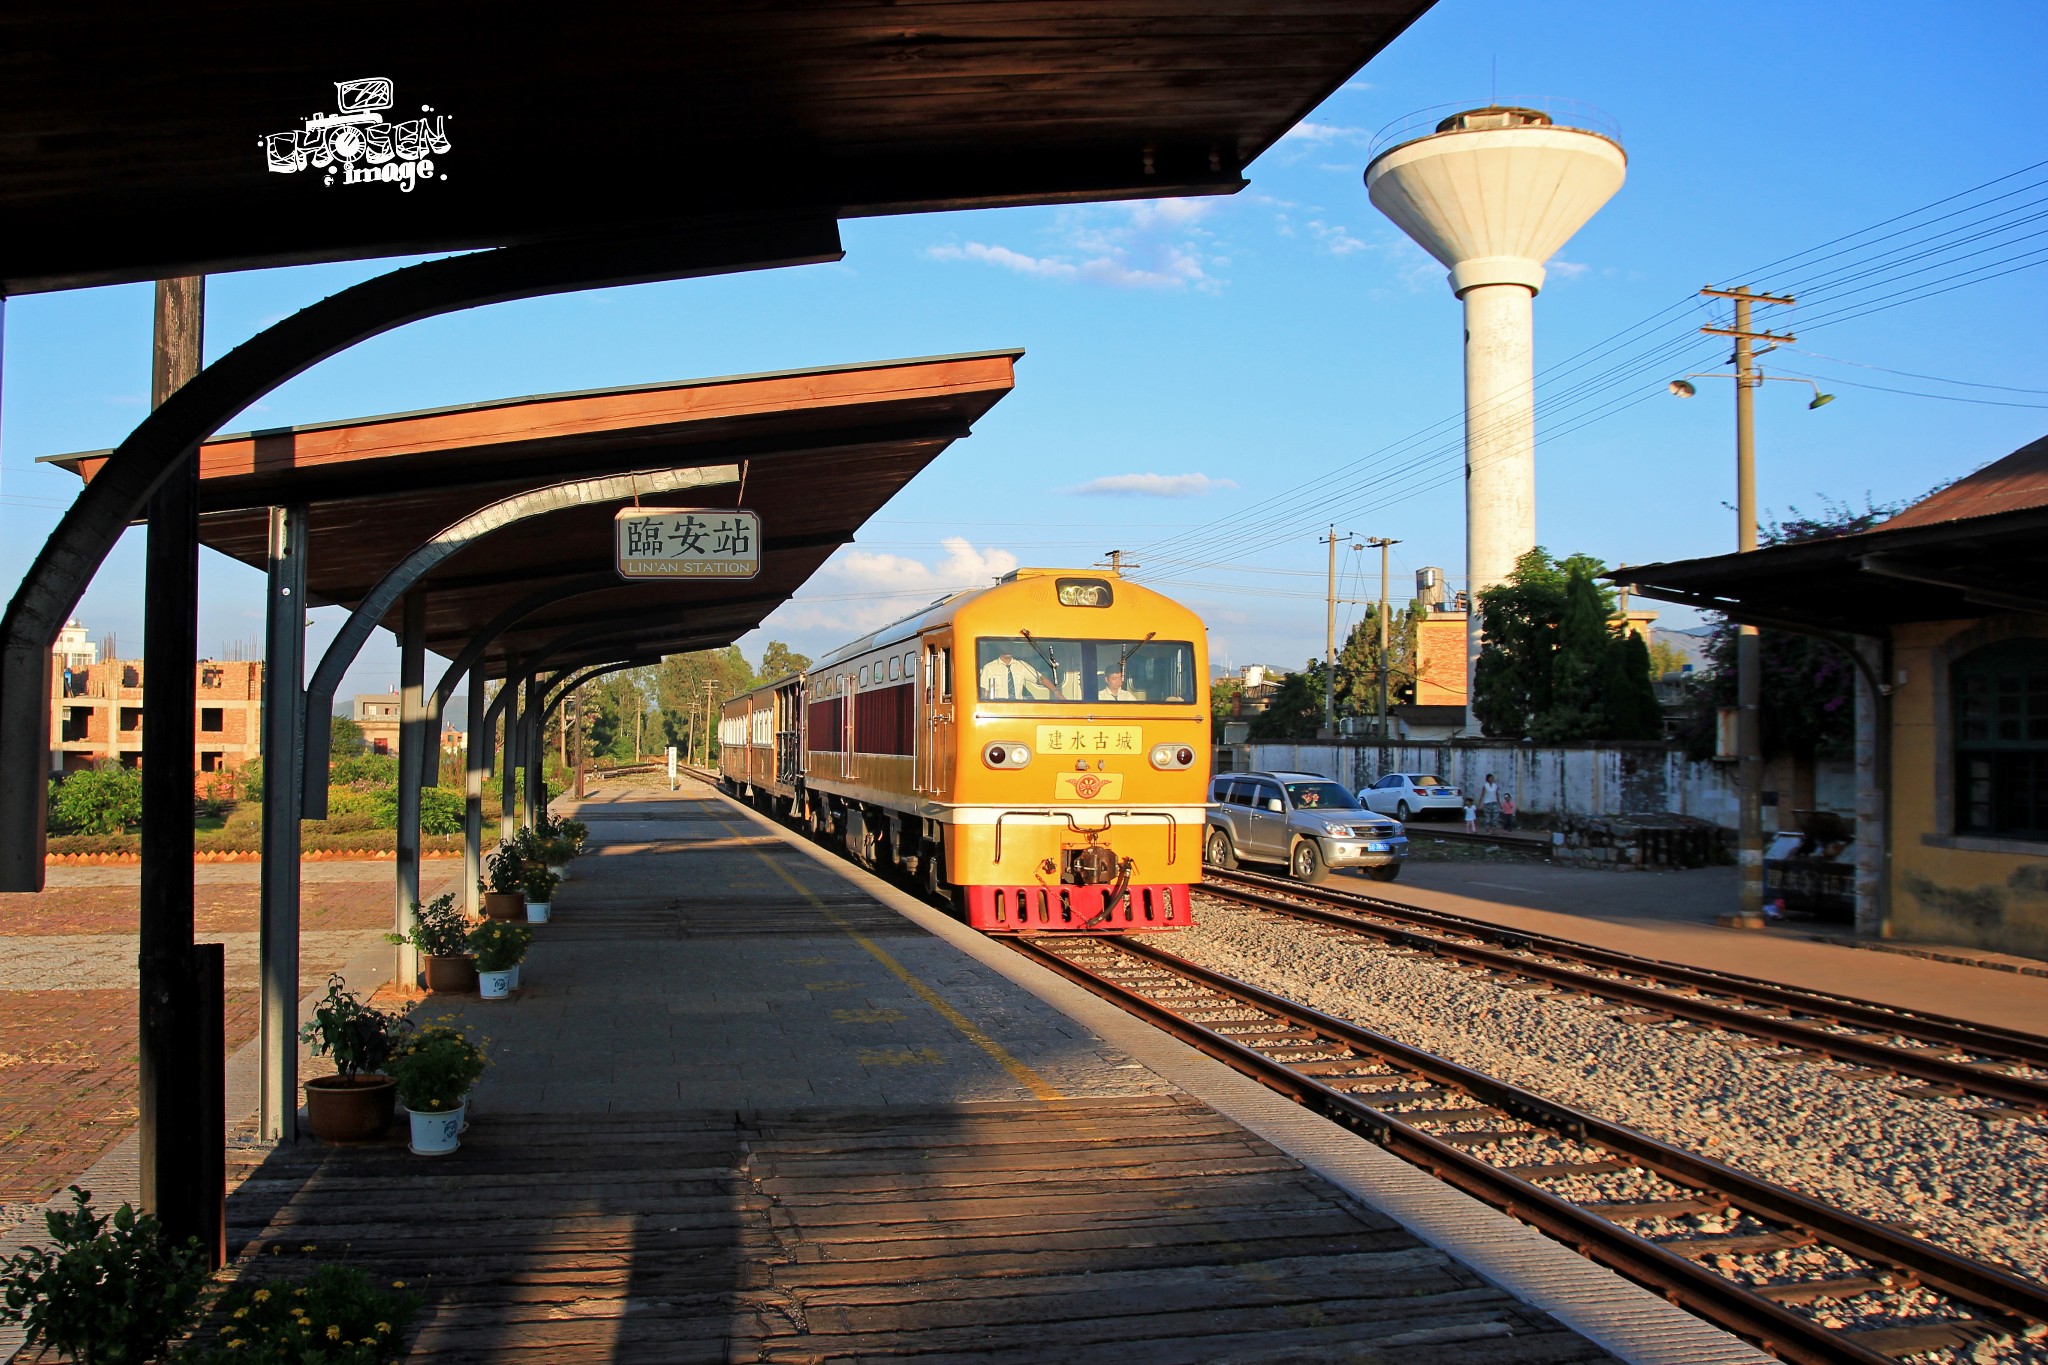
[1471,817]
[1507,811]
[1489,801]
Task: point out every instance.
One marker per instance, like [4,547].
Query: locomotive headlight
[1172,757]
[1006,755]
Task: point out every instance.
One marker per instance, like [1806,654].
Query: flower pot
[436,1134]
[503,904]
[537,912]
[561,871]
[454,975]
[494,985]
[515,976]
[350,1108]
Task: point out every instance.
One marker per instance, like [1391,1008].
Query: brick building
[96,713]
[376,714]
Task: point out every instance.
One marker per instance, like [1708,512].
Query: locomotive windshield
[1030,667]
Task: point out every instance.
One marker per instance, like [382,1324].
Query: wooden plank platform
[1130,1230]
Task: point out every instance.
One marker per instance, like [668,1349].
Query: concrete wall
[1988,892]
[1558,780]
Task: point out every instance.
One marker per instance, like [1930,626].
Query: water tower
[1493,193]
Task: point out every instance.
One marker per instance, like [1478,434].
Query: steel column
[412,735]
[175,1140]
[284,669]
[476,757]
[510,762]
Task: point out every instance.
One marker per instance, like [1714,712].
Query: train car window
[863,675]
[895,668]
[1085,671]
[910,664]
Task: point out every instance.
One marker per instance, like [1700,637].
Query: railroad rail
[1640,1206]
[1954,1056]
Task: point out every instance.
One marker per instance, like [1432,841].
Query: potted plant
[499,948]
[109,1289]
[540,890]
[355,1104]
[441,935]
[435,1067]
[556,853]
[279,1320]
[505,874]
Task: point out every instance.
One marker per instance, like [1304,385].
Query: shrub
[499,944]
[110,1291]
[102,800]
[356,1035]
[335,1317]
[438,928]
[435,1067]
[440,811]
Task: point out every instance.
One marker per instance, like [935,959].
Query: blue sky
[1187,360]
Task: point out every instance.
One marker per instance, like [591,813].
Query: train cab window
[945,671]
[895,668]
[1087,671]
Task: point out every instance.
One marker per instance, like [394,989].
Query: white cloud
[1322,134]
[1336,239]
[1149,244]
[858,590]
[1152,485]
[1568,270]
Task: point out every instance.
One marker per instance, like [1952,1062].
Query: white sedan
[1406,796]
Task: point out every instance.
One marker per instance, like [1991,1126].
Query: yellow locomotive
[1035,753]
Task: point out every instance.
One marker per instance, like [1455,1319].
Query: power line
[1908,374]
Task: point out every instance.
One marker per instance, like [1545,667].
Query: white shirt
[1491,796]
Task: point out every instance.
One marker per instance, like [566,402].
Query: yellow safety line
[1031,1080]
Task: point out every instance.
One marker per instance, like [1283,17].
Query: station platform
[1670,916]
[753,1104]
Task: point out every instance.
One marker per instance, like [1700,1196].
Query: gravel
[1976,1187]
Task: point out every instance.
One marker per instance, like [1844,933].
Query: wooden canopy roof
[1976,547]
[822,450]
[139,137]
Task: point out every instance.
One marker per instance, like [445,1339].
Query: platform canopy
[819,451]
[141,140]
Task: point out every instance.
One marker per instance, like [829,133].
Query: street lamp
[1748,662]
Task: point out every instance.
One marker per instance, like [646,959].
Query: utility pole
[580,724]
[1330,633]
[708,684]
[1386,660]
[1748,657]
[1116,562]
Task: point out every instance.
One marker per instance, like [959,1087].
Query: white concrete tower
[1493,193]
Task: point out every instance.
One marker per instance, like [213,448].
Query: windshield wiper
[1051,661]
[1123,660]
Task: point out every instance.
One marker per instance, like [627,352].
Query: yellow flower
[383,1326]
[309,1247]
[333,1332]
[298,1293]
[398,1284]
[235,1345]
[261,1296]
[241,1312]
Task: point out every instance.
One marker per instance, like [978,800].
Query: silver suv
[1312,825]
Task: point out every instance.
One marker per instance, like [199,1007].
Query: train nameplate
[687,542]
[1091,741]
[1089,787]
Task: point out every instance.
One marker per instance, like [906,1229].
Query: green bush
[440,811]
[335,1317]
[109,1291]
[102,800]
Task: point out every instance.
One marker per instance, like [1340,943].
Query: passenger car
[1310,823]
[1406,796]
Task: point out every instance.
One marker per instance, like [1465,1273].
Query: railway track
[1948,1056]
[1799,1278]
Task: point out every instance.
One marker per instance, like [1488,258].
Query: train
[1033,755]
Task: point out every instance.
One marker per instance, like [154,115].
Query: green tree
[104,799]
[1358,663]
[680,686]
[779,661]
[1552,666]
[1296,710]
[1666,659]
[1223,695]
[345,737]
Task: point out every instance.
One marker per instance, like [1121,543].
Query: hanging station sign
[687,542]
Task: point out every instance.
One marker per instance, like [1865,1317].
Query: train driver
[1009,678]
[1113,688]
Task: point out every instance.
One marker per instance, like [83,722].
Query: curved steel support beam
[64,567]
[512,616]
[450,542]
